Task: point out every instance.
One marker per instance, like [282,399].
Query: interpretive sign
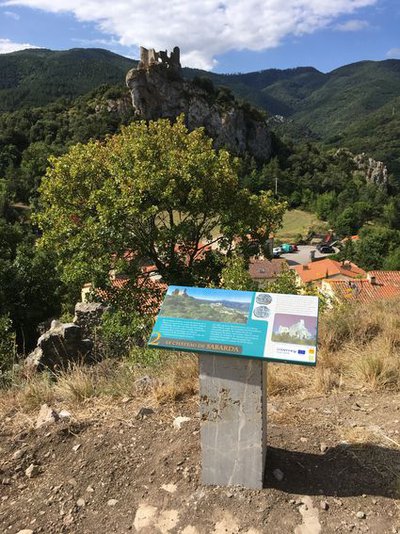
[270,326]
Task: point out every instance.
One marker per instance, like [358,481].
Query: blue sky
[219,35]
[215,294]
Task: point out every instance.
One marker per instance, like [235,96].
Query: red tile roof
[149,292]
[362,290]
[265,269]
[351,238]
[391,278]
[320,269]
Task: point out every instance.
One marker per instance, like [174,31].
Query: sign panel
[270,326]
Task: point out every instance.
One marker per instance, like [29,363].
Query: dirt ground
[108,471]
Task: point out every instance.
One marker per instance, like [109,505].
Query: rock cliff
[159,91]
[375,171]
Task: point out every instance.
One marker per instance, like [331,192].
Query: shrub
[7,350]
[120,332]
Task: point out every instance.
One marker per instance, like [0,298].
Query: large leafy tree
[30,289]
[158,191]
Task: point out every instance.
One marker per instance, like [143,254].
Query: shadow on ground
[342,471]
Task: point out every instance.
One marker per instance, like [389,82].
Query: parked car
[326,249]
[276,252]
[295,248]
[286,248]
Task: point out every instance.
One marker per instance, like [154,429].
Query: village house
[377,285]
[262,270]
[327,269]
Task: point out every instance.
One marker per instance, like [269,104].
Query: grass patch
[298,223]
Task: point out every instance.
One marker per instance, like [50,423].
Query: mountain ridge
[338,108]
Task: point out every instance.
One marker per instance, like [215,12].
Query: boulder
[58,347]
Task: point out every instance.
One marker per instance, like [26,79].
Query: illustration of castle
[297,330]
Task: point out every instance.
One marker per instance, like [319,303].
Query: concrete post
[233,408]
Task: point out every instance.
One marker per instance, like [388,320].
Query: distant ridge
[36,77]
[356,106]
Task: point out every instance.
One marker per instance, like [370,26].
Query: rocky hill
[159,90]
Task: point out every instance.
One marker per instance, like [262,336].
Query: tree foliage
[235,275]
[158,191]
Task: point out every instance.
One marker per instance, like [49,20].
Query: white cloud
[353,25]
[11,15]
[95,42]
[206,28]
[7,46]
[393,53]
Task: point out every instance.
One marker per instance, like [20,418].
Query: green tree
[326,205]
[347,252]
[30,289]
[156,190]
[235,275]
[7,349]
[392,261]
[391,213]
[375,244]
[285,283]
[352,218]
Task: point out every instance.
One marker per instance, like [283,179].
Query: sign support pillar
[233,410]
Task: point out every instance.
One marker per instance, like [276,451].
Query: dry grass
[33,393]
[109,380]
[178,378]
[287,379]
[359,348]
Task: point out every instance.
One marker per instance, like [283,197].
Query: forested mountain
[38,77]
[355,106]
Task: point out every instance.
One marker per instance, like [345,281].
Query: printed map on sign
[239,323]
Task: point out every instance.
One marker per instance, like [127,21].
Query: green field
[298,222]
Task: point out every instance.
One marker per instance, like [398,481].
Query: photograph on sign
[297,329]
[270,326]
[222,306]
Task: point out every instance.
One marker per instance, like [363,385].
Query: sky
[225,36]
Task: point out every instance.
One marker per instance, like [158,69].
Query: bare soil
[108,471]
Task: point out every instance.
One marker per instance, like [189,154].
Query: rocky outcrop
[120,106]
[59,347]
[375,171]
[159,91]
[88,317]
[66,343]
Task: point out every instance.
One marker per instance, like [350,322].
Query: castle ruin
[149,57]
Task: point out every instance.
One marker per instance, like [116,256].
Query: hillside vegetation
[37,77]
[356,106]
